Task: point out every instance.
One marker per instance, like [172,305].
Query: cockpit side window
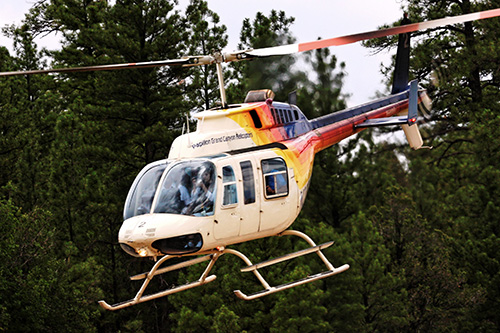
[143,193]
[275,177]
[188,188]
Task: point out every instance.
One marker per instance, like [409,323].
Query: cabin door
[277,207]
[227,217]
[250,205]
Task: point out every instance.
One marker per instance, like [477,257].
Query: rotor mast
[219,59]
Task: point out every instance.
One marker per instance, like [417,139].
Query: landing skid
[212,258]
[271,290]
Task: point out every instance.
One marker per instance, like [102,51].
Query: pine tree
[207,36]
[40,291]
[323,93]
[454,185]
[275,73]
[110,124]
[27,108]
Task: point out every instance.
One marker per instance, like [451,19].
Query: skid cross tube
[139,298]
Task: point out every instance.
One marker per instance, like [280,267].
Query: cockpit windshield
[188,188]
[144,190]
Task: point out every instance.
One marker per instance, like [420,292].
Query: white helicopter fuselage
[255,191]
[242,175]
[243,208]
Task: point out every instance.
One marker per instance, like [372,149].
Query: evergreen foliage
[420,230]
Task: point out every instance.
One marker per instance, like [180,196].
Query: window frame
[134,194]
[265,176]
[229,183]
[248,183]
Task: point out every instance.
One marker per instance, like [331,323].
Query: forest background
[420,229]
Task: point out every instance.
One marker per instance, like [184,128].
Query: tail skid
[212,258]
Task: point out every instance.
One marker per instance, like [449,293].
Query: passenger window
[273,112]
[248,182]
[282,118]
[287,120]
[229,184]
[275,177]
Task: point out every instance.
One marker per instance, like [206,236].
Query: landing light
[142,252]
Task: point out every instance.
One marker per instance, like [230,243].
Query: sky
[313,19]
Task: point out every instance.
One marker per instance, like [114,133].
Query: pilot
[204,194]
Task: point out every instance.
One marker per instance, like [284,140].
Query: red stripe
[489,13]
[336,41]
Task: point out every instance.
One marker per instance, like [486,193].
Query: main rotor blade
[274,51]
[174,62]
[322,43]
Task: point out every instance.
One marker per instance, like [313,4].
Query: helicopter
[244,173]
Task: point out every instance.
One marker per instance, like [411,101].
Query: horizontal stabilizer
[389,121]
[413,103]
[409,120]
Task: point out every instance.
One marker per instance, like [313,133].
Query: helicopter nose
[156,234]
[179,245]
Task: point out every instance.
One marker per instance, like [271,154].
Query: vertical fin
[400,81]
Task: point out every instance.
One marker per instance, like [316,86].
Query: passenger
[176,198]
[271,181]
